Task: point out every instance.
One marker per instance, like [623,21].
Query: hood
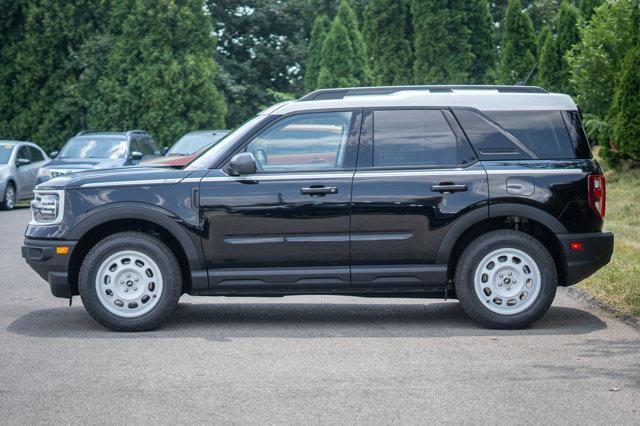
[84,163]
[115,177]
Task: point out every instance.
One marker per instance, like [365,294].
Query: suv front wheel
[130,281]
[506,279]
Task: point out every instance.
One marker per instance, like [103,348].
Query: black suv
[100,150]
[488,194]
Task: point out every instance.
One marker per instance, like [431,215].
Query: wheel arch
[154,220]
[525,218]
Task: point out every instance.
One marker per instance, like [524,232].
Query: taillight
[597,194]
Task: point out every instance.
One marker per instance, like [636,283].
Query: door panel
[401,210]
[283,226]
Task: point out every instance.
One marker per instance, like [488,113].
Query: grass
[618,284]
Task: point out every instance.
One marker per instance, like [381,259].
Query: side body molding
[149,213]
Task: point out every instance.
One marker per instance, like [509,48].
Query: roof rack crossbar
[325,94]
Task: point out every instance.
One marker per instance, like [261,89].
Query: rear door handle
[448,187]
[319,190]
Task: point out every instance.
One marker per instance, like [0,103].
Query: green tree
[588,7]
[568,36]
[549,65]
[542,37]
[159,74]
[321,27]
[518,47]
[598,56]
[337,66]
[347,16]
[478,19]
[443,53]
[387,42]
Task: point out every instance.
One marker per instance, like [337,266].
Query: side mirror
[136,155]
[54,154]
[242,164]
[165,150]
[23,162]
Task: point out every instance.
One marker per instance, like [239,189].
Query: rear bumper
[53,268]
[597,248]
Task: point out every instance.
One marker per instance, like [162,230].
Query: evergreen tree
[568,36]
[542,37]
[387,42]
[518,47]
[347,16]
[321,27]
[549,65]
[478,20]
[337,63]
[588,7]
[159,74]
[443,53]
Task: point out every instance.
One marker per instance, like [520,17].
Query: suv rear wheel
[506,279]
[130,281]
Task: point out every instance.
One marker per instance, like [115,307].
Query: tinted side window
[488,140]
[137,145]
[36,155]
[577,134]
[23,153]
[544,132]
[405,138]
[151,147]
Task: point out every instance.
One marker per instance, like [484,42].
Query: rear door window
[36,155]
[544,132]
[415,138]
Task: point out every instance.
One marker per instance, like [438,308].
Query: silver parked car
[19,164]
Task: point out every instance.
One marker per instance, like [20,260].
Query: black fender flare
[461,225]
[142,211]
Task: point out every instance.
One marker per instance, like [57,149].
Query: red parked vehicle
[187,148]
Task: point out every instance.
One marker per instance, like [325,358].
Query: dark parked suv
[488,194]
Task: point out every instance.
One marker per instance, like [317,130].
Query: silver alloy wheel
[10,197]
[129,283]
[507,281]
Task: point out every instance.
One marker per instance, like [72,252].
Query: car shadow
[226,321]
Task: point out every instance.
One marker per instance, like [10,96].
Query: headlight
[44,172]
[47,207]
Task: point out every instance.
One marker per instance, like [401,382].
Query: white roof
[485,99]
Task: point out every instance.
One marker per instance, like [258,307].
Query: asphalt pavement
[318,360]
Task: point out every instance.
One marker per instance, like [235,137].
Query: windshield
[5,153]
[111,147]
[217,150]
[194,142]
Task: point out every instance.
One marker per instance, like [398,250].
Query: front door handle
[448,187]
[319,190]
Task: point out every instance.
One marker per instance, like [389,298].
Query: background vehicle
[100,150]
[488,194]
[188,148]
[19,163]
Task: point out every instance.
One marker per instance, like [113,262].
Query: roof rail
[325,94]
[142,132]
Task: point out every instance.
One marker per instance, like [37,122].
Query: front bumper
[52,267]
[597,248]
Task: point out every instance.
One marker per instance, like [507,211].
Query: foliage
[568,36]
[387,41]
[361,70]
[549,65]
[320,29]
[595,60]
[443,52]
[337,65]
[626,115]
[478,19]
[518,47]
[541,38]
[588,7]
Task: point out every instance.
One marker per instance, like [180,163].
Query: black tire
[149,246]
[4,205]
[475,253]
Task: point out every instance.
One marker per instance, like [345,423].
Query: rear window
[544,132]
[520,135]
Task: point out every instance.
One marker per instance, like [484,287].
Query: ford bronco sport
[488,194]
